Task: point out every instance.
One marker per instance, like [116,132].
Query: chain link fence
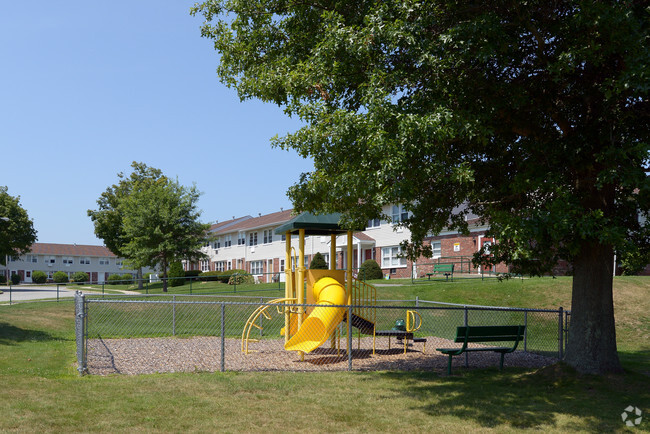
[185,333]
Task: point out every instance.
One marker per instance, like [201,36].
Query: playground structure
[327,293]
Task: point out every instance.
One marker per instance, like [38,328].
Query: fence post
[57,292]
[466,324]
[261,317]
[223,337]
[560,334]
[417,301]
[79,331]
[173,315]
[349,337]
[525,331]
[102,289]
[10,293]
[147,287]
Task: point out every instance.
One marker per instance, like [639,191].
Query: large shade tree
[150,220]
[108,220]
[17,233]
[533,115]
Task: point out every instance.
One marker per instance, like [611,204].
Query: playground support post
[287,286]
[349,337]
[300,284]
[333,252]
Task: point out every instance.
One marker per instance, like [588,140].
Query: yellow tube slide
[320,324]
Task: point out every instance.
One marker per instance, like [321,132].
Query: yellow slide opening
[322,321]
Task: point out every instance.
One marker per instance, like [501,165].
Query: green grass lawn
[43,392]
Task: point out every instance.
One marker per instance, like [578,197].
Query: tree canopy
[533,115]
[17,233]
[150,220]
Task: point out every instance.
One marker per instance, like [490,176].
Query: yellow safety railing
[364,295]
[251,322]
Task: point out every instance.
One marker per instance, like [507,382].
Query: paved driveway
[26,292]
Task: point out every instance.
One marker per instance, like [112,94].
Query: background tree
[318,262]
[533,115]
[160,222]
[17,233]
[108,219]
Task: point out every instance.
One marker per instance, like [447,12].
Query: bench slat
[467,334]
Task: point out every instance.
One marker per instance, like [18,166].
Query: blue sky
[88,87]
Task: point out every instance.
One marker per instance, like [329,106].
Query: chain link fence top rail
[173,333]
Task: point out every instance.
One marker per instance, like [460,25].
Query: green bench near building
[475,334]
[446,269]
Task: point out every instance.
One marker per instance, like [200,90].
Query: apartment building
[97,261]
[251,244]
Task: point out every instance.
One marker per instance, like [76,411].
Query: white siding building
[97,261]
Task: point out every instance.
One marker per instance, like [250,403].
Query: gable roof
[323,224]
[252,223]
[225,224]
[70,250]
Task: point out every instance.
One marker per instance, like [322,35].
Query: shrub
[39,277]
[193,274]
[80,277]
[239,277]
[60,277]
[3,279]
[127,279]
[15,279]
[114,279]
[370,270]
[176,274]
[211,276]
[318,262]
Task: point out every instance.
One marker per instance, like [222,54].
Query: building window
[282,265]
[227,240]
[67,261]
[220,266]
[374,223]
[390,257]
[284,237]
[85,261]
[436,249]
[103,261]
[257,267]
[49,260]
[268,236]
[205,266]
[399,214]
[326,256]
[240,264]
[118,262]
[217,243]
[31,258]
[241,239]
[229,265]
[252,239]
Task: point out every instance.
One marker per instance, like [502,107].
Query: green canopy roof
[324,224]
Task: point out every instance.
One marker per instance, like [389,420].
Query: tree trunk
[591,346]
[164,267]
[140,284]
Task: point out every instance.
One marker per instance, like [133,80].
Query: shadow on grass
[11,335]
[554,396]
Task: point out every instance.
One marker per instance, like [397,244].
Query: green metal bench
[474,334]
[446,269]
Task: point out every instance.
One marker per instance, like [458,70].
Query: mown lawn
[42,391]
